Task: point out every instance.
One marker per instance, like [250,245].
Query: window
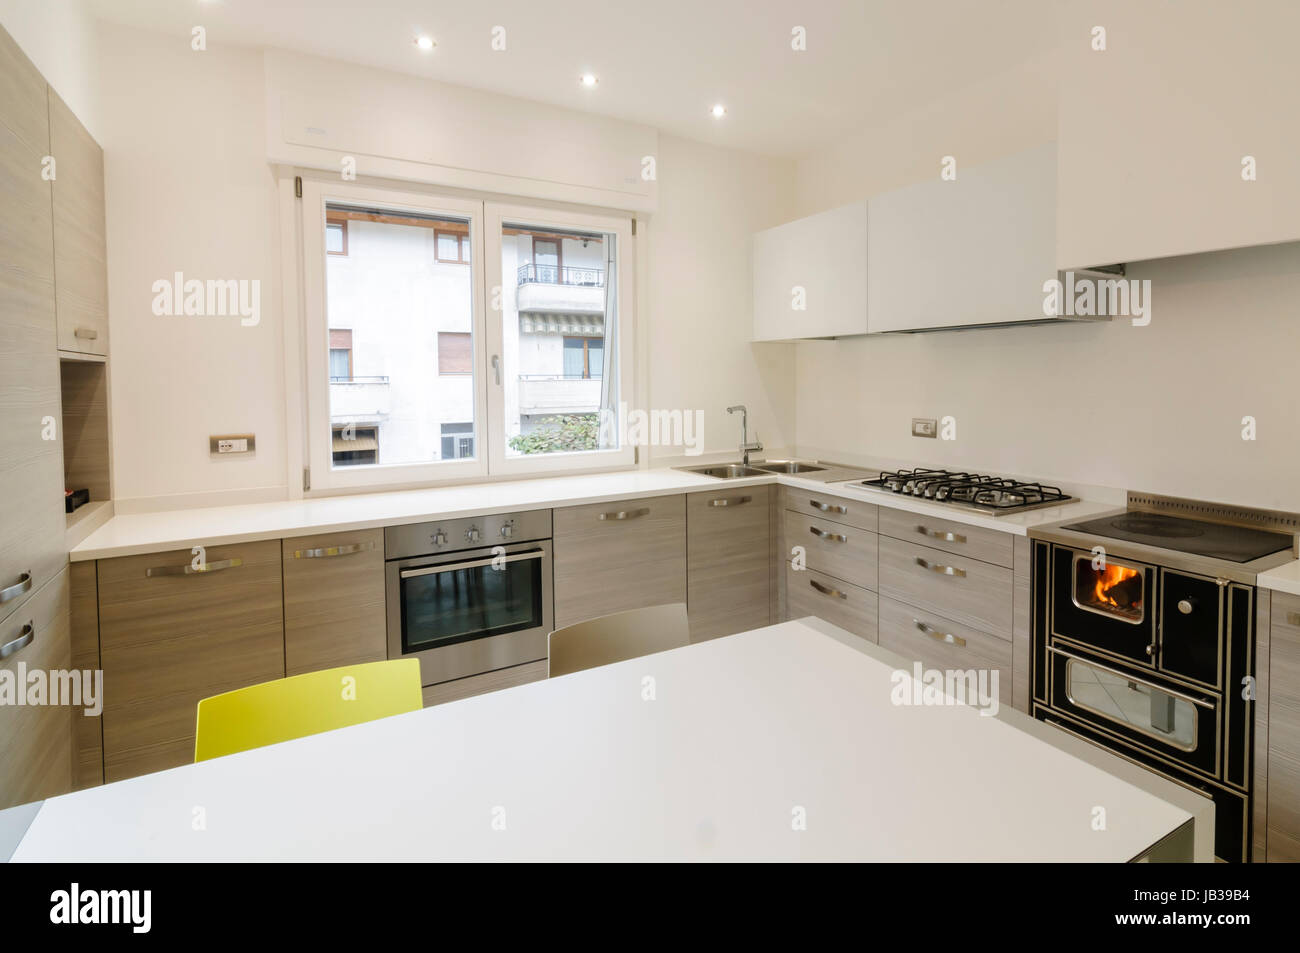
[455,352]
[412,378]
[451,246]
[457,440]
[336,237]
[583,358]
[340,355]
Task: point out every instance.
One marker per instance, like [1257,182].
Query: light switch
[925,427]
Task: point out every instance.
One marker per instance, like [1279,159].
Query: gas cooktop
[1238,544]
[972,491]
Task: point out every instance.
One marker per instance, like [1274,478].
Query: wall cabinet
[609,557]
[973,250]
[80,260]
[36,758]
[810,276]
[334,600]
[1153,130]
[31,478]
[170,636]
[728,542]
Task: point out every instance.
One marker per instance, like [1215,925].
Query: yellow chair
[305,705]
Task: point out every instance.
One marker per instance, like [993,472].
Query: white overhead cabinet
[972,250]
[810,276]
[1157,129]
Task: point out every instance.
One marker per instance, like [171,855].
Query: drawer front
[843,551]
[852,608]
[986,545]
[609,557]
[728,561]
[941,643]
[334,600]
[957,587]
[168,641]
[840,509]
[1284,729]
[487,682]
[36,740]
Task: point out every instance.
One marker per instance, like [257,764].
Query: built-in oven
[470,596]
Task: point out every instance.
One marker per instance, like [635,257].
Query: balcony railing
[555,275]
[358,380]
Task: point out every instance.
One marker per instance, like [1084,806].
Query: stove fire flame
[1113,578]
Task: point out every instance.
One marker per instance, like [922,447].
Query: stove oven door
[1104,603]
[1191,626]
[1179,725]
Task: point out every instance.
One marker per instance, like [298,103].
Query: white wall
[1156,408]
[58,36]
[188,189]
[698,294]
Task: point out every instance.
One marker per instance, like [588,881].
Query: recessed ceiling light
[589,79]
[425,42]
[719,111]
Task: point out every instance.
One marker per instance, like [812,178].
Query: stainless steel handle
[23,584]
[1293,618]
[471,563]
[833,537]
[189,570]
[25,636]
[828,507]
[733,501]
[325,552]
[88,333]
[940,568]
[826,590]
[938,636]
[624,514]
[496,367]
[1130,678]
[940,534]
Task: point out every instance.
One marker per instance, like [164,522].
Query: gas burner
[977,491]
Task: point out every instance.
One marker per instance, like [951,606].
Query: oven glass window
[1112,589]
[456,605]
[1134,704]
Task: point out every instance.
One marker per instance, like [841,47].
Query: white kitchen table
[714,751]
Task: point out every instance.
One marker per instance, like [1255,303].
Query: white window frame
[496,214]
[318,450]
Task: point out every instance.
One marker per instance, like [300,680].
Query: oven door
[471,612]
[1107,607]
[1181,726]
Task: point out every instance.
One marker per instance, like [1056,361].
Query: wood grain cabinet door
[334,600]
[31,465]
[1284,730]
[728,554]
[36,740]
[79,233]
[169,638]
[615,556]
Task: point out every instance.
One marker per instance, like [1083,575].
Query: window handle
[496,367]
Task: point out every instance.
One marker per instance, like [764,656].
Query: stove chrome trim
[1274,521]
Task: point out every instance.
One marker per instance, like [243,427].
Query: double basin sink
[734,471]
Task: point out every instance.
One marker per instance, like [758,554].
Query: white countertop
[744,732]
[135,533]
[1285,578]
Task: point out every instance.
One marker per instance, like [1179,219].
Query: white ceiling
[660,62]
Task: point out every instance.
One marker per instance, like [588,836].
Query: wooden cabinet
[80,259]
[966,590]
[31,477]
[840,509]
[728,548]
[609,557]
[973,250]
[87,733]
[844,551]
[941,643]
[494,681]
[951,536]
[1153,130]
[810,277]
[334,600]
[852,608]
[170,636]
[36,740]
[1283,780]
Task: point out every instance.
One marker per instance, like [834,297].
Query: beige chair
[618,637]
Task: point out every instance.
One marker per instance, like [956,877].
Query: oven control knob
[472,535]
[440,538]
[1185,606]
[507,531]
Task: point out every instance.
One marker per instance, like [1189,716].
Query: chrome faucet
[745,445]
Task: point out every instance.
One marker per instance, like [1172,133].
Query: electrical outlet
[231,444]
[925,427]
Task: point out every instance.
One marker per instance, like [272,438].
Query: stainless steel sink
[725,471]
[788,466]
